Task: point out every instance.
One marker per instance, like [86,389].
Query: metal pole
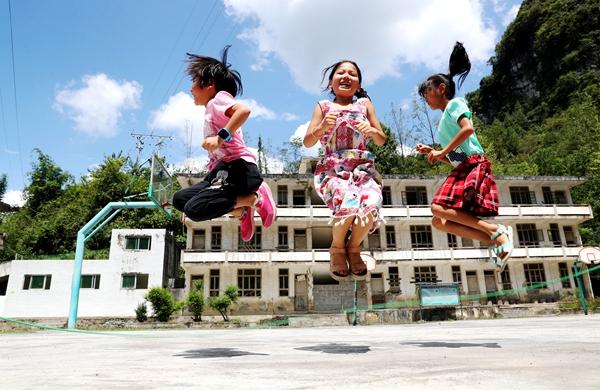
[355,301]
[81,238]
[579,282]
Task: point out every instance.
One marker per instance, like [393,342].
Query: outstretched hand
[423,149]
[435,155]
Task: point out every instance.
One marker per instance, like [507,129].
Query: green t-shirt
[449,127]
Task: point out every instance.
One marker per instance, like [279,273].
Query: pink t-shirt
[214,120]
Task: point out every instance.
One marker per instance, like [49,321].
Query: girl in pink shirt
[234,184]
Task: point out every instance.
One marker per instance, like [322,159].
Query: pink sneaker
[265,206]
[247,224]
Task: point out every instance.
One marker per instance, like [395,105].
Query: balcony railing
[322,255]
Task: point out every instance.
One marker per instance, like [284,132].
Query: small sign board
[438,294]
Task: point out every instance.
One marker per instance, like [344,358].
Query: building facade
[139,260]
[284,269]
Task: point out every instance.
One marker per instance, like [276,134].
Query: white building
[138,260]
[285,268]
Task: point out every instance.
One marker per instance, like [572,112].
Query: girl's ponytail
[459,64]
[361,93]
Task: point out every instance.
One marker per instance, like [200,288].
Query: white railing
[473,254]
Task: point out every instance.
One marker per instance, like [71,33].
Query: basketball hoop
[589,255]
[160,189]
[369,261]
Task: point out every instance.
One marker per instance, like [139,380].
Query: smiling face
[345,80]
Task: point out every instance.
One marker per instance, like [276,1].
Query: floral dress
[346,178]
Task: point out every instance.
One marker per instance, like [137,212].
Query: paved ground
[532,353]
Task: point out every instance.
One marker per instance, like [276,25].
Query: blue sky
[89,73]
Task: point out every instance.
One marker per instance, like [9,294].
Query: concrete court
[530,353]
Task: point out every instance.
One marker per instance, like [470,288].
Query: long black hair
[360,93]
[459,65]
[207,70]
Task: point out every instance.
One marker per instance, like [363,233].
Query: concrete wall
[109,300]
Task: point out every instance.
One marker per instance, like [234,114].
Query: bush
[195,301]
[141,312]
[222,303]
[163,304]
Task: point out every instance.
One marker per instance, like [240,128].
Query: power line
[179,75]
[12,49]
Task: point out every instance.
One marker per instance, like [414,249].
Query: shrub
[222,303]
[141,312]
[163,304]
[195,301]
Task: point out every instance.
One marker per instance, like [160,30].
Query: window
[554,235]
[137,243]
[390,237]
[194,279]
[456,276]
[534,273]
[452,241]
[3,284]
[528,235]
[284,282]
[553,197]
[90,281]
[375,240]
[215,238]
[199,239]
[425,274]
[505,278]
[214,283]
[570,238]
[37,282]
[300,239]
[522,195]
[249,282]
[282,196]
[415,196]
[387,196]
[299,198]
[134,281]
[394,280]
[254,244]
[420,236]
[467,243]
[282,238]
[565,280]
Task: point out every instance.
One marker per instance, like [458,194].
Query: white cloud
[288,116]
[308,35]
[300,132]
[14,198]
[195,164]
[509,16]
[180,116]
[258,110]
[98,104]
[274,164]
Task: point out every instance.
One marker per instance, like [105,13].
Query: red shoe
[247,224]
[265,206]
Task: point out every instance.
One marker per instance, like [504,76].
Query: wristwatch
[224,134]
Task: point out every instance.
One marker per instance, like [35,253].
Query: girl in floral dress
[346,178]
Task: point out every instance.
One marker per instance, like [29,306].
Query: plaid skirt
[470,187]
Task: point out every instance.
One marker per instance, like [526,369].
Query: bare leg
[359,232]
[339,232]
[463,218]
[460,230]
[241,202]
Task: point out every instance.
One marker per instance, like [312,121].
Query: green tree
[3,183]
[222,303]
[195,300]
[47,183]
[163,303]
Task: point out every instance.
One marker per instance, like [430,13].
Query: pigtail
[362,93]
[459,63]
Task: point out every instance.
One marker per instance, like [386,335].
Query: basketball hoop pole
[84,234]
[579,282]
